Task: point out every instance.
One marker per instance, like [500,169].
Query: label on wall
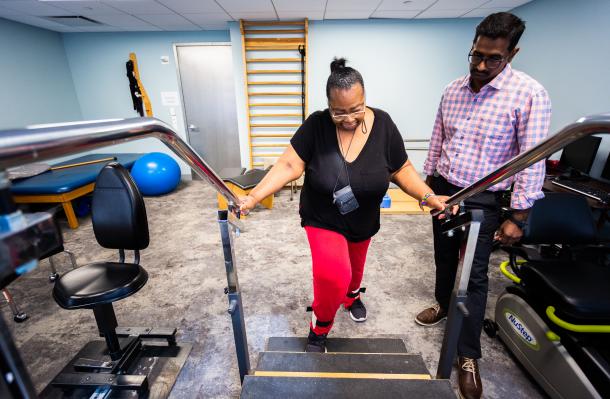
[170,99]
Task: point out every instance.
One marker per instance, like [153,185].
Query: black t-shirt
[369,174]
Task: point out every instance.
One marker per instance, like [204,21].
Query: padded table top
[65,180]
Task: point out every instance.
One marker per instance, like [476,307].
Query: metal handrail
[39,143]
[585,126]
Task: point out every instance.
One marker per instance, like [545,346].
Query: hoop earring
[364,128]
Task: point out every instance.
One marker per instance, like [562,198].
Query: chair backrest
[118,213]
[560,218]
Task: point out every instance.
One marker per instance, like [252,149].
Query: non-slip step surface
[352,345]
[338,388]
[342,363]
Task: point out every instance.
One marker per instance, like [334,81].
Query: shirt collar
[498,82]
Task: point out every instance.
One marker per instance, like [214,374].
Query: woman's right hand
[438,202]
[246,204]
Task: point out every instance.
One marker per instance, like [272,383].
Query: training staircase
[275,68]
[352,368]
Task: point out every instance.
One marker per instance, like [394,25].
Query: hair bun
[338,63]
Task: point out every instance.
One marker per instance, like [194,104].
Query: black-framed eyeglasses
[492,62]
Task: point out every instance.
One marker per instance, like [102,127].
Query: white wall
[97,62]
[566,47]
[36,81]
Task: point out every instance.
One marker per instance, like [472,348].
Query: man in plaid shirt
[484,119]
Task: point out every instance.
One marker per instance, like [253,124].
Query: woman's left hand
[438,202]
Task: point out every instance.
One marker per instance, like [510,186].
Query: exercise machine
[555,316]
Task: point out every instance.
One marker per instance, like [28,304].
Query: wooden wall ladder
[275,69]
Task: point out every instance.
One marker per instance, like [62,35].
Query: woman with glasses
[350,153]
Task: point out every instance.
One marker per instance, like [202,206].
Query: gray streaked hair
[342,77]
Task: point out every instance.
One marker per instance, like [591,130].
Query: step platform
[343,388]
[352,368]
[398,365]
[353,345]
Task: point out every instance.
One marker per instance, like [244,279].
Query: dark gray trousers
[446,257]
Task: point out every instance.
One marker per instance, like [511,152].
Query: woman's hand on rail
[438,202]
[246,204]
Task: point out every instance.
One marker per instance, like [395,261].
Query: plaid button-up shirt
[475,133]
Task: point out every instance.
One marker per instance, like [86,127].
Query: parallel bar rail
[40,143]
[585,126]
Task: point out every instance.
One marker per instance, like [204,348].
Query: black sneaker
[316,343]
[357,311]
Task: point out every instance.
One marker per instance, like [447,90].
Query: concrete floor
[185,290]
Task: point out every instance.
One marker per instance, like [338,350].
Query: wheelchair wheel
[490,327]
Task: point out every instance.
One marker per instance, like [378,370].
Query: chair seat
[98,283]
[579,291]
[248,180]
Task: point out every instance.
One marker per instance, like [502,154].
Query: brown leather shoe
[469,379]
[431,316]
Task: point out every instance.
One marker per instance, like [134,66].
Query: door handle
[193,128]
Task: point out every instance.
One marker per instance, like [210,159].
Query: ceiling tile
[298,5]
[287,15]
[100,29]
[122,21]
[138,6]
[192,6]
[395,14]
[252,16]
[210,21]
[344,14]
[506,4]
[181,28]
[31,7]
[351,5]
[41,23]
[212,25]
[149,28]
[85,8]
[432,13]
[8,11]
[404,6]
[243,6]
[167,20]
[483,12]
[458,4]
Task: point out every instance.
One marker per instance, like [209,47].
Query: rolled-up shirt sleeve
[436,142]
[533,127]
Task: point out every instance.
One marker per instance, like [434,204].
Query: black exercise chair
[119,222]
[555,318]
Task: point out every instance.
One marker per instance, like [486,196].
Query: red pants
[338,265]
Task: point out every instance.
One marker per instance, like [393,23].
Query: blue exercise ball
[156,173]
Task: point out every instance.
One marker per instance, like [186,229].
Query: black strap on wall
[302,52]
[134,89]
